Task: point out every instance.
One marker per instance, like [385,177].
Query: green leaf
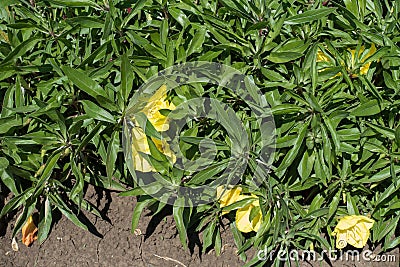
[47,171]
[112,152]
[309,16]
[290,157]
[20,50]
[143,202]
[45,221]
[97,112]
[149,189]
[74,3]
[369,108]
[202,176]
[239,204]
[333,205]
[196,42]
[283,57]
[66,211]
[16,201]
[84,82]
[397,136]
[287,109]
[79,180]
[178,210]
[126,77]
[387,132]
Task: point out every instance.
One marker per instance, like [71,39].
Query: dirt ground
[157,245]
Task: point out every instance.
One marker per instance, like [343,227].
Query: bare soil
[111,243]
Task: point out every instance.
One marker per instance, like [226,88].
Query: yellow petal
[322,57]
[368,222]
[347,222]
[228,196]
[152,110]
[140,144]
[243,219]
[161,93]
[29,232]
[341,240]
[353,238]
[256,222]
[371,51]
[163,147]
[353,230]
[364,69]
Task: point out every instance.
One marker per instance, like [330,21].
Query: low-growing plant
[329,71]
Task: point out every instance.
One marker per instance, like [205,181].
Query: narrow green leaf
[97,112]
[46,219]
[178,210]
[84,82]
[309,16]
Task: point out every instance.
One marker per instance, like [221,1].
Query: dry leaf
[137,232]
[14,244]
[29,232]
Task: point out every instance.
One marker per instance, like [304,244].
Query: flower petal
[243,219]
[140,144]
[256,222]
[29,231]
[322,57]
[229,196]
[341,240]
[354,230]
[152,110]
[347,222]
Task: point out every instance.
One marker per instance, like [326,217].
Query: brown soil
[157,245]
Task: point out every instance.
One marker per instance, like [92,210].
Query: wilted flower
[353,230]
[243,222]
[29,232]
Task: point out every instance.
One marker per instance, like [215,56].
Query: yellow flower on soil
[353,230]
[29,232]
[243,223]
[140,144]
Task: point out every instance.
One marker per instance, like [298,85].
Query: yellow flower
[228,196]
[29,232]
[353,230]
[243,223]
[140,144]
[152,110]
[364,68]
[322,57]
